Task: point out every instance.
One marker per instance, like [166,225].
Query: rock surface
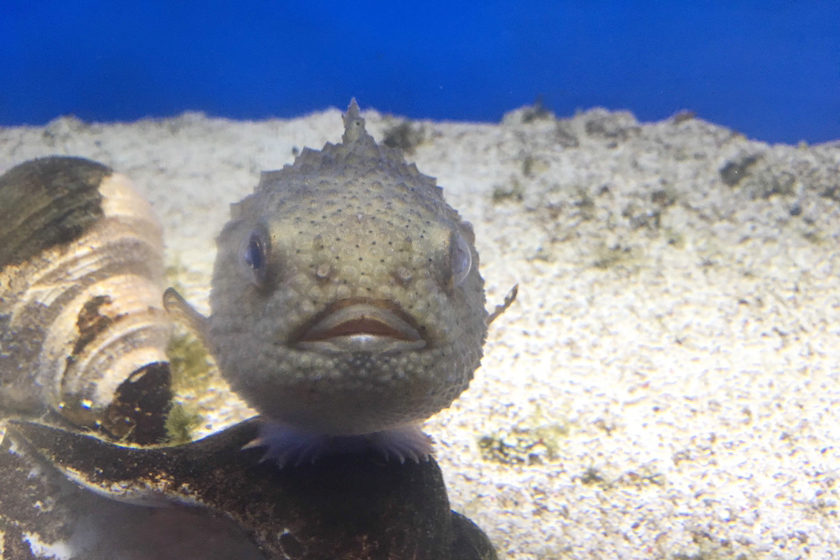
[351,506]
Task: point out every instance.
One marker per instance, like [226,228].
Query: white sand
[670,374]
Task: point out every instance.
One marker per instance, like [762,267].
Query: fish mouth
[360,326]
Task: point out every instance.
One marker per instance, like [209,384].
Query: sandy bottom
[667,385]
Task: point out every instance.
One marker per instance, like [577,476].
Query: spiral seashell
[82,329]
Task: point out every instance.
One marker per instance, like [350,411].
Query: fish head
[346,296]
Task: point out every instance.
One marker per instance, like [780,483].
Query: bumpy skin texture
[350,225]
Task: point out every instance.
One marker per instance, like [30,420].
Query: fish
[346,302]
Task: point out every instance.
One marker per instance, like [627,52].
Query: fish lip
[360,325]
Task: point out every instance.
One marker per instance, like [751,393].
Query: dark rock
[345,506]
[734,171]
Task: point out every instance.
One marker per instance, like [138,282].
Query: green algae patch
[535,443]
[190,362]
[181,422]
[512,191]
[609,477]
[191,367]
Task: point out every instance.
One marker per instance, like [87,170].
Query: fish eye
[460,258]
[254,255]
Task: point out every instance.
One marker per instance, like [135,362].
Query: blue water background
[770,69]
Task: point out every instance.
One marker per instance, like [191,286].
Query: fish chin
[287,446]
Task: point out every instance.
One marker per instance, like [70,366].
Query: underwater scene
[377,281]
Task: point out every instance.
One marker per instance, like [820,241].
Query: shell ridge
[81,281]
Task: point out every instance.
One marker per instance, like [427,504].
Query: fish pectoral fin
[185,314]
[509,299]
